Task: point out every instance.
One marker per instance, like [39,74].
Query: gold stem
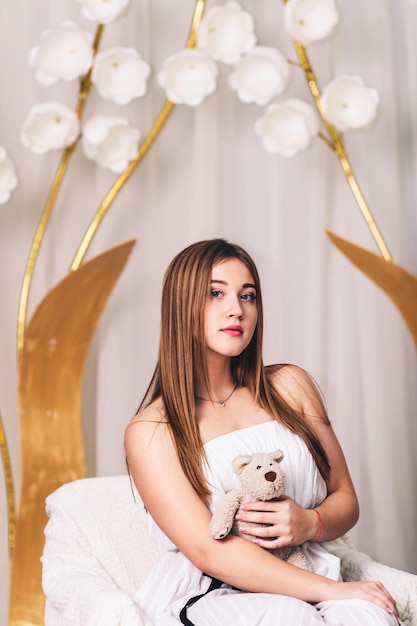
[85,85]
[337,144]
[9,486]
[143,150]
[30,265]
[118,184]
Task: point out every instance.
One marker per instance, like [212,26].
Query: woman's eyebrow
[223,282]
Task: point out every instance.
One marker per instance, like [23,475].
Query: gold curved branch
[118,184]
[9,486]
[337,144]
[85,85]
[34,250]
[143,150]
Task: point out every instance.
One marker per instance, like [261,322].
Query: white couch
[97,553]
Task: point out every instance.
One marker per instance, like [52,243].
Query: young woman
[210,400]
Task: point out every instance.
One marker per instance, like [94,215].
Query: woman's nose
[235,308]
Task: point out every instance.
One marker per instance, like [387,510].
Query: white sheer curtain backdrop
[208,176]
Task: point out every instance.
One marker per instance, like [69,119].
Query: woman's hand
[286,523]
[366,590]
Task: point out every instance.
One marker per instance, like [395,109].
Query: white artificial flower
[8,178]
[349,103]
[103,11]
[50,126]
[308,21]
[288,127]
[261,74]
[63,53]
[110,141]
[226,32]
[188,77]
[120,74]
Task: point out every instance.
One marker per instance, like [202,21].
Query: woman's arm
[288,522]
[184,518]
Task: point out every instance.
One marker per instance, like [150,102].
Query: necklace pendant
[221,402]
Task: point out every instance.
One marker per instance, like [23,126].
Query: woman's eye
[249,297]
[215,293]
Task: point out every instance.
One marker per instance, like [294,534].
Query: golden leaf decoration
[50,421]
[398,284]
[8,479]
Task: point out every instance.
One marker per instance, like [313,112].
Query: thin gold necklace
[221,402]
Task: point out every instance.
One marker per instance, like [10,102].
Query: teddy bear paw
[219,529]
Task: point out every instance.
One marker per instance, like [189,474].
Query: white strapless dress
[174,580]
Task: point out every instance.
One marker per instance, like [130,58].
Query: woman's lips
[233,331]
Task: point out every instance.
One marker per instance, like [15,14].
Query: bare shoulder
[288,378]
[296,386]
[153,413]
[150,425]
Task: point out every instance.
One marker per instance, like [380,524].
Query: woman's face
[231,311]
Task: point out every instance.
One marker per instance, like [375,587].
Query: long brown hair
[181,358]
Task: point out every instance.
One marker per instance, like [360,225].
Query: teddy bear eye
[258,467]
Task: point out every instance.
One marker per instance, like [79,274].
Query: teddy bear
[262,478]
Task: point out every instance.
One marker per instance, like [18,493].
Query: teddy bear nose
[270,476]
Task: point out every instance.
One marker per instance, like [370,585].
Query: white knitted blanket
[97,553]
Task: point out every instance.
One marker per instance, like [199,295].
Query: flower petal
[260,75]
[188,77]
[288,128]
[49,126]
[308,21]
[63,53]
[226,32]
[110,141]
[120,74]
[349,103]
[8,178]
[103,11]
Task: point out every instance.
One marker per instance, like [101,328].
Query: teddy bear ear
[278,456]
[241,462]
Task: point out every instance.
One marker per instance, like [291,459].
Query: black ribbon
[215,584]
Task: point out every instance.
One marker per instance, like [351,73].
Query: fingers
[266,505]
[257,518]
[387,601]
[263,513]
[256,523]
[269,544]
[261,527]
[275,523]
[266,536]
[374,592]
